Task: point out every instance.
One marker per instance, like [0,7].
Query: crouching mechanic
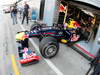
[96,63]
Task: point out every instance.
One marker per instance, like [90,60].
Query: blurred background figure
[20,10]
[25,12]
[34,14]
[14,14]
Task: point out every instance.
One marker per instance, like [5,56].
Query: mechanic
[25,12]
[96,63]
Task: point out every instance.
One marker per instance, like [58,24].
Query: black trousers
[96,70]
[25,16]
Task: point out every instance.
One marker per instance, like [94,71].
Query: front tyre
[49,47]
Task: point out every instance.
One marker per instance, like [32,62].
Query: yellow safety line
[14,65]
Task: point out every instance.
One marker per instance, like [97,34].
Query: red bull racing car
[50,37]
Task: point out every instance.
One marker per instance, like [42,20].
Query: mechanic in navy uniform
[25,12]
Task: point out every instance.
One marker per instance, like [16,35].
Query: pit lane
[67,61]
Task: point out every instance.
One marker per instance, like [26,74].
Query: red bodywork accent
[49,33]
[28,60]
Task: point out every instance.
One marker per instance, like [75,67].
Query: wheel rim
[35,28]
[50,50]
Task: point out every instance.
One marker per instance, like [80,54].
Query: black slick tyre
[35,27]
[49,47]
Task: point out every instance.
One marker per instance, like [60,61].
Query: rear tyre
[49,47]
[35,27]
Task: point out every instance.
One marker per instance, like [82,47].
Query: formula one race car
[50,36]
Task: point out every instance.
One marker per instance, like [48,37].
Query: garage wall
[56,12]
[49,12]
